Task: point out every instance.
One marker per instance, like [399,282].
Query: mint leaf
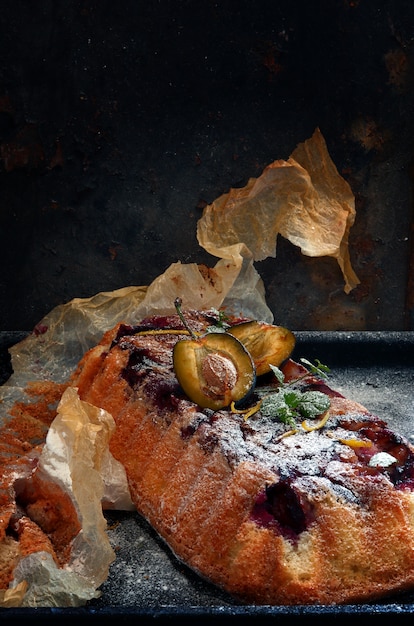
[278,373]
[275,406]
[289,405]
[319,369]
[313,403]
[292,398]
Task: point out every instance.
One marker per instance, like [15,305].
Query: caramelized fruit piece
[214,369]
[267,344]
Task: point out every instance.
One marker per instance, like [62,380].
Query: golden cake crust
[271,519]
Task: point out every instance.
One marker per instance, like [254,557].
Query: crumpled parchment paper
[76,458]
[305,200]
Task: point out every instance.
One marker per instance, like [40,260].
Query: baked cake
[317,511]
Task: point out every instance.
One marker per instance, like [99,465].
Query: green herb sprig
[317,368]
[287,405]
[222,324]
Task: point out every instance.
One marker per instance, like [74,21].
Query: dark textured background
[120,120]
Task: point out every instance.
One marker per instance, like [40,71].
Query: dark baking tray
[147,583]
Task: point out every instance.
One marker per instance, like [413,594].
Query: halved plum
[214,369]
[267,344]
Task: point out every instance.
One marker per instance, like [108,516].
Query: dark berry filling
[157,377]
[164,392]
[280,507]
[400,473]
[136,368]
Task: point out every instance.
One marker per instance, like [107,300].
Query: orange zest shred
[316,426]
[356,443]
[246,412]
[288,433]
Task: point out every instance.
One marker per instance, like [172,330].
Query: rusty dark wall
[120,121]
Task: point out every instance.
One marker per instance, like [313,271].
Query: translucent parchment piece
[304,199]
[64,335]
[75,457]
